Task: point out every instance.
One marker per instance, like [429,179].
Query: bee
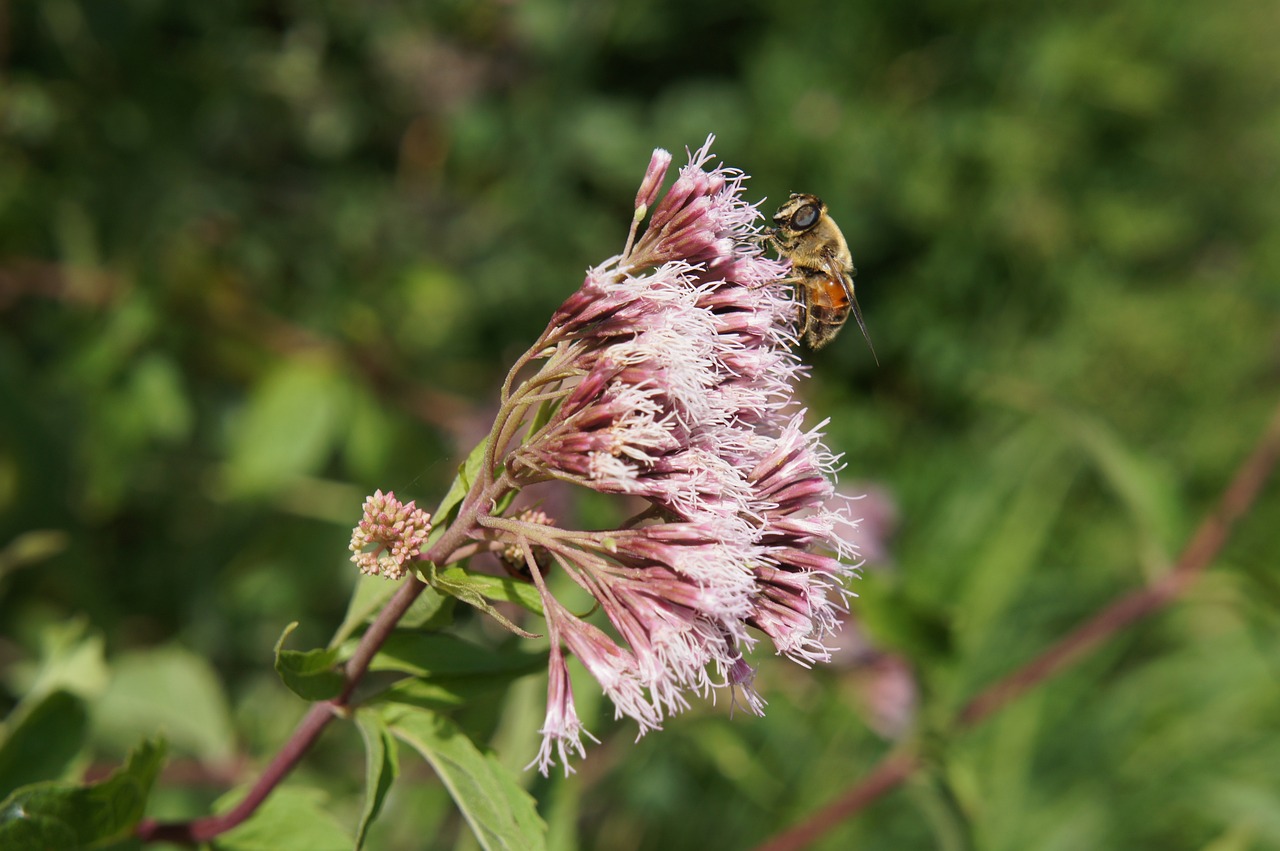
[821,268]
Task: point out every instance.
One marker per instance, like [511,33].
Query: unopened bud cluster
[394,530]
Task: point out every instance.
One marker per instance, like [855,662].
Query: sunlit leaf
[440,655]
[172,690]
[291,819]
[290,426]
[310,674]
[382,766]
[502,589]
[55,816]
[500,812]
[468,473]
[42,745]
[370,595]
[474,590]
[71,659]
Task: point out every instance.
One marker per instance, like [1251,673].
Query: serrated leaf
[291,819]
[310,674]
[502,815]
[45,741]
[382,766]
[56,816]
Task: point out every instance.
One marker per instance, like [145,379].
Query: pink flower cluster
[395,531]
[672,375]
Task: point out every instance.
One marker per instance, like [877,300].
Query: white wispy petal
[678,374]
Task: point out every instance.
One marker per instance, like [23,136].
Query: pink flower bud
[653,176]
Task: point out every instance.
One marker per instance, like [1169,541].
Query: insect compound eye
[805,218]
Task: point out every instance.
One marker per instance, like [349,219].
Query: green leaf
[382,766]
[291,819]
[477,589]
[448,672]
[435,687]
[432,610]
[289,427]
[900,620]
[55,816]
[45,741]
[505,589]
[502,815]
[172,690]
[1019,536]
[468,473]
[543,415]
[443,696]
[370,595]
[47,728]
[1146,488]
[439,655]
[310,674]
[31,548]
[71,659]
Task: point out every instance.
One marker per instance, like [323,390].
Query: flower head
[396,532]
[669,376]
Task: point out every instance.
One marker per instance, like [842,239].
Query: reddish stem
[883,779]
[304,735]
[1208,541]
[320,714]
[1210,537]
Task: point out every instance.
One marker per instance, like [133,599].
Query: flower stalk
[669,378]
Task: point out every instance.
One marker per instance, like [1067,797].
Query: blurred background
[259,258]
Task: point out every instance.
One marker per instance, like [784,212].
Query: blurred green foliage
[257,259]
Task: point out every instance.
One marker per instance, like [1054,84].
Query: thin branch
[321,713]
[304,735]
[1205,545]
[883,779]
[1208,541]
